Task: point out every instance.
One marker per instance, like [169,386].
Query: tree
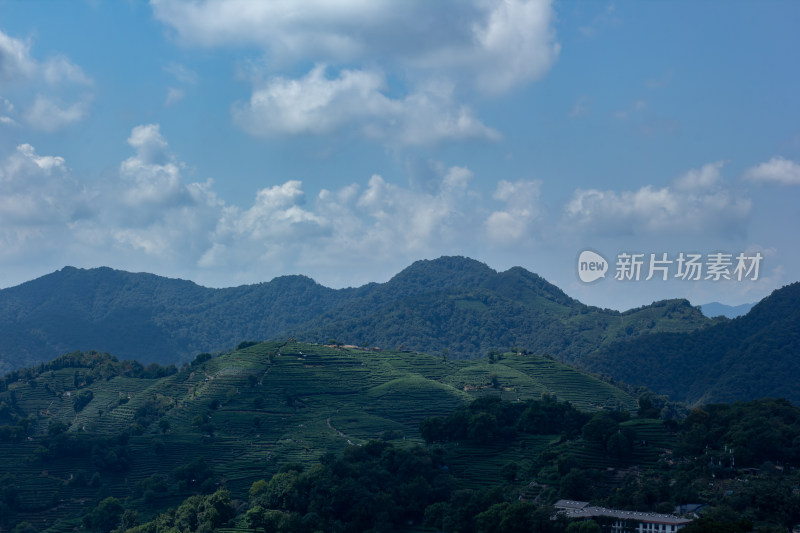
[105,517]
[618,445]
[584,526]
[82,399]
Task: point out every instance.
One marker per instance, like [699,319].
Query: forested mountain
[451,303]
[753,356]
[515,308]
[147,317]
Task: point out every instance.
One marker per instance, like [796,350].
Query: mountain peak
[443,272]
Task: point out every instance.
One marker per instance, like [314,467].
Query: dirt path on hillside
[328,420]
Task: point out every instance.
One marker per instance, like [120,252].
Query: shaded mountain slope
[753,356]
[146,317]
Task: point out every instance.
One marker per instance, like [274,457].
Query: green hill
[147,317]
[87,426]
[753,356]
[286,436]
[451,303]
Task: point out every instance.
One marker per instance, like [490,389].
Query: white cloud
[7,108]
[514,223]
[276,216]
[15,60]
[776,170]
[38,201]
[50,115]
[313,103]
[152,178]
[695,200]
[705,177]
[174,95]
[316,104]
[47,95]
[427,50]
[494,45]
[517,45]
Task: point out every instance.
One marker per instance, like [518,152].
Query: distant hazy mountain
[753,356]
[452,303]
[715,309]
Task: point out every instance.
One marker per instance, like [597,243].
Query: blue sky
[229,142]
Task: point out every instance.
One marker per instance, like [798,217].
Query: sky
[228,142]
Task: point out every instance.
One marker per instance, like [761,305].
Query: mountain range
[451,304]
[453,307]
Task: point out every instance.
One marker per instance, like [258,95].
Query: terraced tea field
[250,411]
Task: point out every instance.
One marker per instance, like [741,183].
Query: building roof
[577,509]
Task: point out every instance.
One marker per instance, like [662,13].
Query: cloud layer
[427,49]
[496,45]
[697,199]
[150,215]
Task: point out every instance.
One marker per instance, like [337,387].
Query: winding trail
[328,420]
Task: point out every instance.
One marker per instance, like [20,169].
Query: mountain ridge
[754,355]
[452,304]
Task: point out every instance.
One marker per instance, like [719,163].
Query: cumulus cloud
[44,95]
[316,104]
[706,177]
[698,199]
[777,170]
[496,45]
[152,176]
[513,45]
[39,200]
[513,223]
[276,215]
[426,48]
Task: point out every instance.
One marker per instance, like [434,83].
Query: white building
[625,520]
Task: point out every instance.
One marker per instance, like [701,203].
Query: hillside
[451,303]
[98,426]
[147,317]
[509,310]
[286,437]
[749,357]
